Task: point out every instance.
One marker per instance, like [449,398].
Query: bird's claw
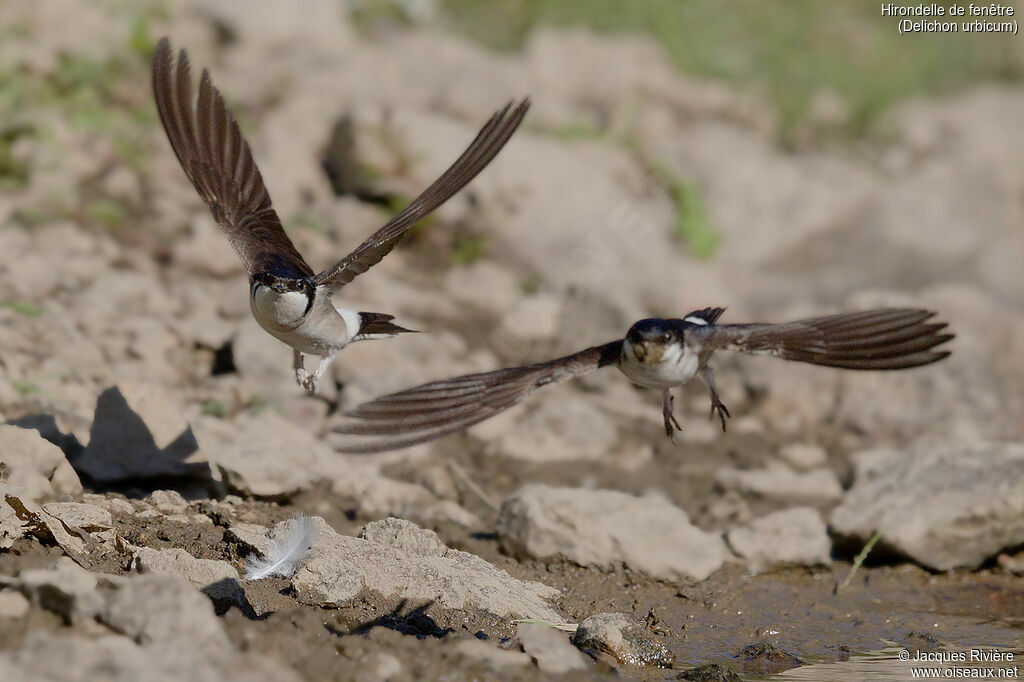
[671,423]
[306,380]
[671,427]
[723,412]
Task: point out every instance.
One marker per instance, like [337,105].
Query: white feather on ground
[287,548]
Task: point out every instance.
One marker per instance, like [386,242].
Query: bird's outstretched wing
[488,142]
[892,338]
[216,158]
[704,316]
[421,414]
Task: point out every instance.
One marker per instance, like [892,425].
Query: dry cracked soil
[153,441]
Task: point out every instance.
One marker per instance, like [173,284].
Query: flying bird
[289,300]
[658,354]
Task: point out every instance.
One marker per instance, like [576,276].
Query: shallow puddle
[889,664]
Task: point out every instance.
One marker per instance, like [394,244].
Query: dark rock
[712,672]
[762,658]
[618,635]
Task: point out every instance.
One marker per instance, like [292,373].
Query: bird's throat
[279,310]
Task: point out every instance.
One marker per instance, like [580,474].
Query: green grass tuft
[14,173]
[577,130]
[25,387]
[791,50]
[107,213]
[23,308]
[858,561]
[141,40]
[564,627]
[468,248]
[692,224]
[213,408]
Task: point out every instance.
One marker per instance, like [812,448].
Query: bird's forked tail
[378,326]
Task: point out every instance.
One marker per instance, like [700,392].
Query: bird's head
[649,339]
[283,285]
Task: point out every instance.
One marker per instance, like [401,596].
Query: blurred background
[782,158]
[778,158]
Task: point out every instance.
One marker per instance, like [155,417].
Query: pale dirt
[930,216]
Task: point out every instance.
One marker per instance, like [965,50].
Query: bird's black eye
[666,337]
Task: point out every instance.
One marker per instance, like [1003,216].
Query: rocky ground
[154,435]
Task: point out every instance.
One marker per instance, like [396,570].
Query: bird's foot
[306,380]
[671,428]
[719,407]
[671,424]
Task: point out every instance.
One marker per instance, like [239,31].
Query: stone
[13,604]
[490,654]
[65,479]
[116,658]
[404,536]
[114,505]
[256,465]
[484,285]
[763,658]
[532,319]
[803,456]
[710,672]
[379,666]
[606,527]
[730,509]
[66,589]
[779,482]
[11,527]
[218,579]
[85,516]
[618,635]
[260,358]
[792,536]
[168,501]
[1011,563]
[339,567]
[372,495]
[449,511]
[206,250]
[38,522]
[138,432]
[943,504]
[31,464]
[549,649]
[250,535]
[559,428]
[166,611]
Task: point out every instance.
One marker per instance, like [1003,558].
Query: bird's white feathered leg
[312,387]
[301,375]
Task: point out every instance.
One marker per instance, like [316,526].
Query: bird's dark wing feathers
[488,142]
[216,158]
[894,338]
[709,315]
[436,409]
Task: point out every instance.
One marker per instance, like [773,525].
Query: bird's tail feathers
[378,326]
